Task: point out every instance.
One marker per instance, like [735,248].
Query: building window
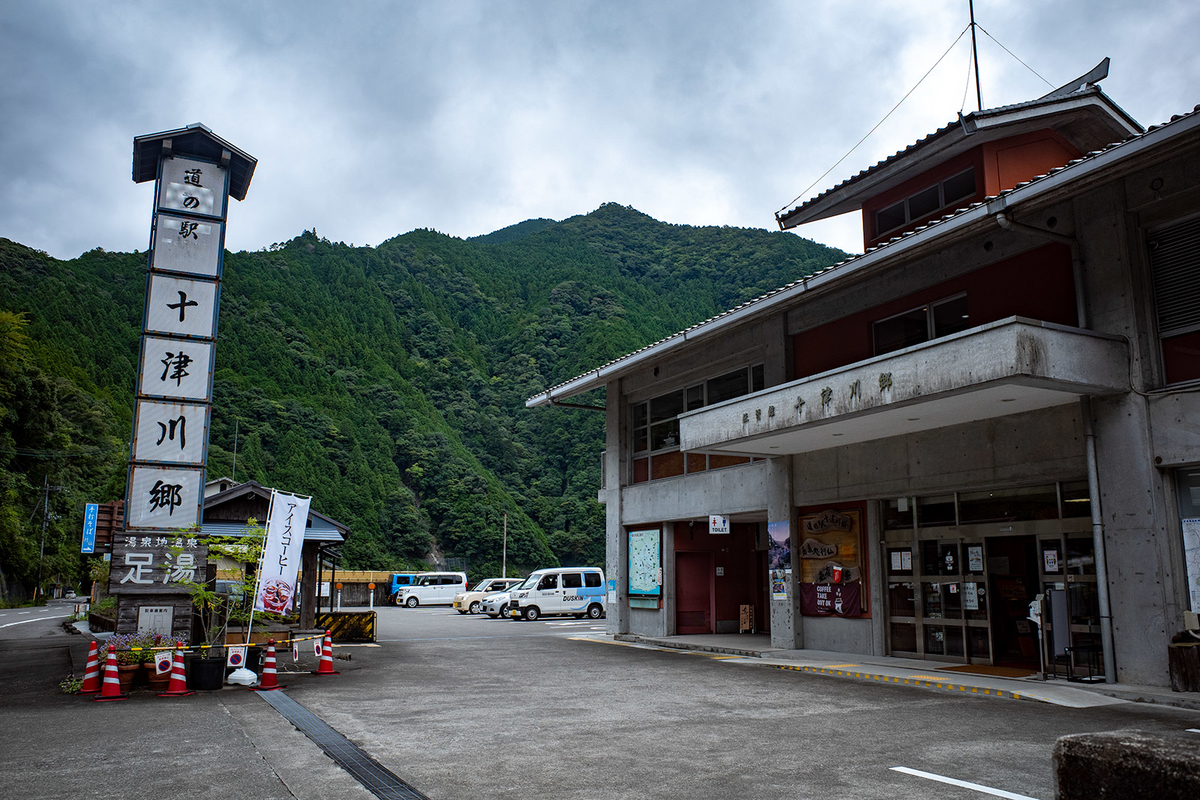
[1175,266]
[654,425]
[925,202]
[930,321]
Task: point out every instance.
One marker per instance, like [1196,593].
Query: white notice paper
[970,597]
[1191,557]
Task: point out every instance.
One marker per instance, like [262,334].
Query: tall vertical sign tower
[196,172]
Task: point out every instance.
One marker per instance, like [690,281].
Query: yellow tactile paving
[913,680]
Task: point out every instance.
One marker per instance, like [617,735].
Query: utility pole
[975,57]
[504,557]
[46,489]
[235,443]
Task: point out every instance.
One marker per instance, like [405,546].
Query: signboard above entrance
[718,524]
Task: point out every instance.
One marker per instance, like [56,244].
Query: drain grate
[378,780]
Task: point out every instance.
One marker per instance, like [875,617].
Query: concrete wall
[733,490]
[841,635]
[1036,447]
[1141,433]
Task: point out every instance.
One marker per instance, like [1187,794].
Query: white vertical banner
[286,524]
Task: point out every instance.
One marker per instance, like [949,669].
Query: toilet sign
[718,524]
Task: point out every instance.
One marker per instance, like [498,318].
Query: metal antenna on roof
[975,56]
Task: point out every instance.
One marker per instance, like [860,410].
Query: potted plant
[154,644]
[128,659]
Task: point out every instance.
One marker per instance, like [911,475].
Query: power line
[885,119]
[1010,52]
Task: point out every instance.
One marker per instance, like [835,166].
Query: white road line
[964,784]
[1193,730]
[39,619]
[24,612]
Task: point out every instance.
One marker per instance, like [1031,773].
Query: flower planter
[126,673]
[234,636]
[205,674]
[157,682]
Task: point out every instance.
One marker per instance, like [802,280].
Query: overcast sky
[370,119]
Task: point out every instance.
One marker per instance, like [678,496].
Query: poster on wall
[780,578]
[975,557]
[1191,556]
[831,555]
[779,558]
[645,563]
[779,552]
[831,600]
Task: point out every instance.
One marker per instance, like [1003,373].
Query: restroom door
[693,593]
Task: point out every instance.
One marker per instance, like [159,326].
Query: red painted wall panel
[1038,284]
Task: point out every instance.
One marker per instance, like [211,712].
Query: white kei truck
[559,591]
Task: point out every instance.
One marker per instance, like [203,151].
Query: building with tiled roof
[994,404]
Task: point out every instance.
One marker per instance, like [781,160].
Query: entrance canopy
[1002,368]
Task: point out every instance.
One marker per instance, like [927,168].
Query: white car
[496,604]
[471,602]
[560,591]
[432,589]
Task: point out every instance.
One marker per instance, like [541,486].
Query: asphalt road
[470,708]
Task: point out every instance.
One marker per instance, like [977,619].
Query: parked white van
[578,591]
[432,589]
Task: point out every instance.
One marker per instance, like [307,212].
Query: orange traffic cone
[178,686]
[268,682]
[91,674]
[112,684]
[325,667]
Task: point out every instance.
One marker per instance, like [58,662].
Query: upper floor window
[918,325]
[925,202]
[656,421]
[655,424]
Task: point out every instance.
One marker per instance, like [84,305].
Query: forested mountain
[388,382]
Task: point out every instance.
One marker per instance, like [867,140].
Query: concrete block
[1121,765]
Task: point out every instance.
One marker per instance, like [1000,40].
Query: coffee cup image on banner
[276,596]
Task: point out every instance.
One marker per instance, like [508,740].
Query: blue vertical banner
[91,510]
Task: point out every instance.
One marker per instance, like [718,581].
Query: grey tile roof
[950,127]
[1075,163]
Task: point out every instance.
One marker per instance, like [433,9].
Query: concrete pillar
[616,566]
[787,626]
[668,582]
[666,614]
[1137,543]
[875,559]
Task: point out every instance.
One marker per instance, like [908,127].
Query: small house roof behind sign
[194,140]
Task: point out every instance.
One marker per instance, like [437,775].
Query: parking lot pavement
[481,708]
[463,707]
